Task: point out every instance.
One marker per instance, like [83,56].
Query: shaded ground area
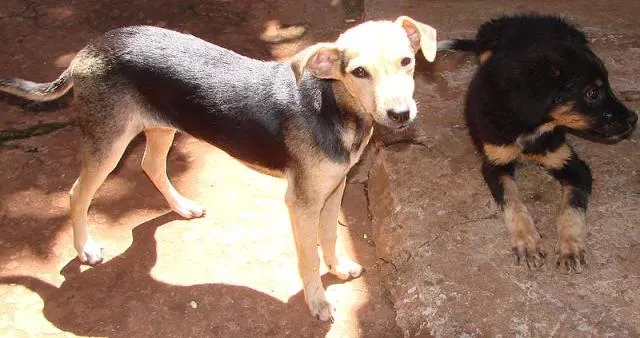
[440,264]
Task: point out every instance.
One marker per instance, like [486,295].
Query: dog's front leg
[576,180]
[305,201]
[341,267]
[525,240]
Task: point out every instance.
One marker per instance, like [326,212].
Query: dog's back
[178,80]
[521,33]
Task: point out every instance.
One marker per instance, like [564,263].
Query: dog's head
[583,100]
[374,62]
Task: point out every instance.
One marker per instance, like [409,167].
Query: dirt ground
[440,258]
[232,273]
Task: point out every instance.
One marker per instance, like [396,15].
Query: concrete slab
[448,264]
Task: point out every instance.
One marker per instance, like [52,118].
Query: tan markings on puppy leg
[154,164]
[485,56]
[572,235]
[501,154]
[555,159]
[525,239]
[566,115]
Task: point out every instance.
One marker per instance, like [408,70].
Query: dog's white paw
[90,253]
[346,268]
[320,307]
[188,208]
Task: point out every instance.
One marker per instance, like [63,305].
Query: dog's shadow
[120,298]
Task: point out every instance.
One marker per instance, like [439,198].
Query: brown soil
[440,263]
[232,273]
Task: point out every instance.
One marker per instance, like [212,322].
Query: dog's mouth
[399,127]
[396,126]
[603,137]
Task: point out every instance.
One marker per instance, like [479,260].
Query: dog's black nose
[633,118]
[398,116]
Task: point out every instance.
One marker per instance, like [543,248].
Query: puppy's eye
[405,62]
[592,94]
[360,72]
[607,116]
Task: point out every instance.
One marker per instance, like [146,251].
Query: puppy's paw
[571,256]
[534,258]
[525,240]
[320,307]
[570,248]
[527,250]
[346,268]
[90,253]
[187,208]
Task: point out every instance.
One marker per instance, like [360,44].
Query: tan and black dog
[538,79]
[307,120]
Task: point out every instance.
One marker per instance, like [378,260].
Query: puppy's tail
[456,44]
[38,91]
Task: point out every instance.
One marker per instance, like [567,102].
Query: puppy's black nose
[633,118]
[398,116]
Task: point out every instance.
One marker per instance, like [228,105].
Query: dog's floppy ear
[322,60]
[422,36]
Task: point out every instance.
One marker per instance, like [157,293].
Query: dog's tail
[36,285]
[457,44]
[38,91]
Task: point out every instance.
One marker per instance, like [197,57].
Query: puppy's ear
[422,36]
[322,60]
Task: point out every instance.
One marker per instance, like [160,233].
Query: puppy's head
[374,62]
[584,100]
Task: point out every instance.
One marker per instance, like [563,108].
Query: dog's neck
[357,123]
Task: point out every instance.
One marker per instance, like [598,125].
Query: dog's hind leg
[342,267]
[100,157]
[574,175]
[525,239]
[154,164]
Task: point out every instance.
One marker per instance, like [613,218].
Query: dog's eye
[607,116]
[593,93]
[360,72]
[405,62]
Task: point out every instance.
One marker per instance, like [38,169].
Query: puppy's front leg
[305,202]
[341,267]
[576,180]
[525,239]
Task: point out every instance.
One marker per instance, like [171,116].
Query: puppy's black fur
[538,79]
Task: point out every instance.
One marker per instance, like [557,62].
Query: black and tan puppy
[307,120]
[538,79]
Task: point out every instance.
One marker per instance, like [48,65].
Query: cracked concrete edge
[389,243]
